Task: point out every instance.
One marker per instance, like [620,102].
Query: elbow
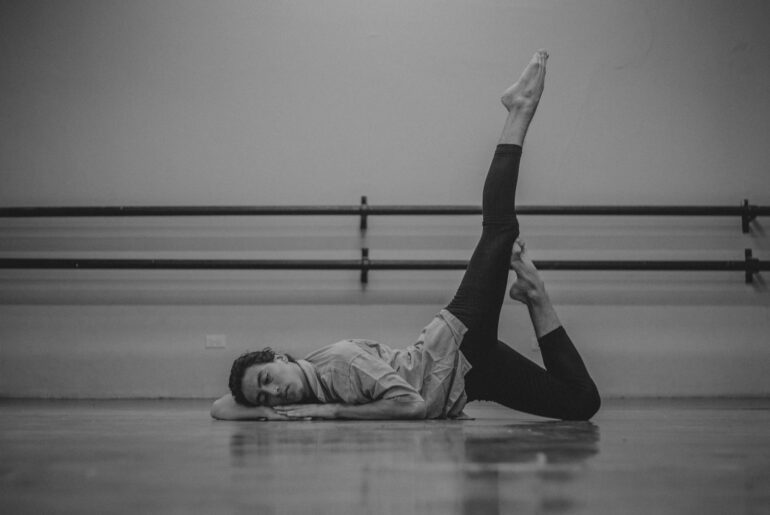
[216,412]
[411,406]
[219,410]
[418,410]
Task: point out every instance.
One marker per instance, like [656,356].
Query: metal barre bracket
[752,266]
[364,265]
[749,213]
[364,208]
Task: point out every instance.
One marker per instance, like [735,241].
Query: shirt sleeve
[376,380]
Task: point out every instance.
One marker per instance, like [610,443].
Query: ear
[281,357]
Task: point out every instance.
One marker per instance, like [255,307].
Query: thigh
[479,298]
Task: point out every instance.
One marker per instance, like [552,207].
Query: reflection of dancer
[431,379]
[527,443]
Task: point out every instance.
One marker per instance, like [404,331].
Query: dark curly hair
[240,365]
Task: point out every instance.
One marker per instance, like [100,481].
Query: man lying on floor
[458,357]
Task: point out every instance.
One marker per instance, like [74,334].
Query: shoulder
[343,351]
[337,366]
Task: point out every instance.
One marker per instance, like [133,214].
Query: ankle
[538,298]
[516,125]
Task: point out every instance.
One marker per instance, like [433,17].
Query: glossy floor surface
[693,456]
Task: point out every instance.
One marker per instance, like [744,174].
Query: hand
[268,413]
[227,409]
[307,411]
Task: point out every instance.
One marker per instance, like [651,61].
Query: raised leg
[481,293]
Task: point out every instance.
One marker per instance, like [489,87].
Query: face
[275,383]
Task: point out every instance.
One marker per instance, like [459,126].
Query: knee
[501,222]
[586,405]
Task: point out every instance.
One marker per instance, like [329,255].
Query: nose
[273,392]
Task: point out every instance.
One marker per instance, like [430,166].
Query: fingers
[273,414]
[294,411]
[287,407]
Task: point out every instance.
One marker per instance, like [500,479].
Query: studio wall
[321,102]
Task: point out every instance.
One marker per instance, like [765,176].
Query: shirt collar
[312,379]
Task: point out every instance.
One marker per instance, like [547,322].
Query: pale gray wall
[320,102]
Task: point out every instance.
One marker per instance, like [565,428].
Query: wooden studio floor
[684,456]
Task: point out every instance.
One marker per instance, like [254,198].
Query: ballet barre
[749,265]
[746,211]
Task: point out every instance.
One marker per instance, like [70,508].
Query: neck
[307,392]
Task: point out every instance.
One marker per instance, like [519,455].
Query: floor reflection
[443,467]
[494,458]
[170,457]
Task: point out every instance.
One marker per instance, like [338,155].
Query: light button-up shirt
[361,371]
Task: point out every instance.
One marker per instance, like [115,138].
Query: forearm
[227,409]
[389,409]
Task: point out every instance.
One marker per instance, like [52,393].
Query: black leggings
[563,390]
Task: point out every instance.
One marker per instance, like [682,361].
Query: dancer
[458,357]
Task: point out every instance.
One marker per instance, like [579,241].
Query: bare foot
[529,287]
[525,94]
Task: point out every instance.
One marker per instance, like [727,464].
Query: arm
[227,409]
[401,407]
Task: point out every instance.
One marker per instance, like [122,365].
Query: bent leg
[563,390]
